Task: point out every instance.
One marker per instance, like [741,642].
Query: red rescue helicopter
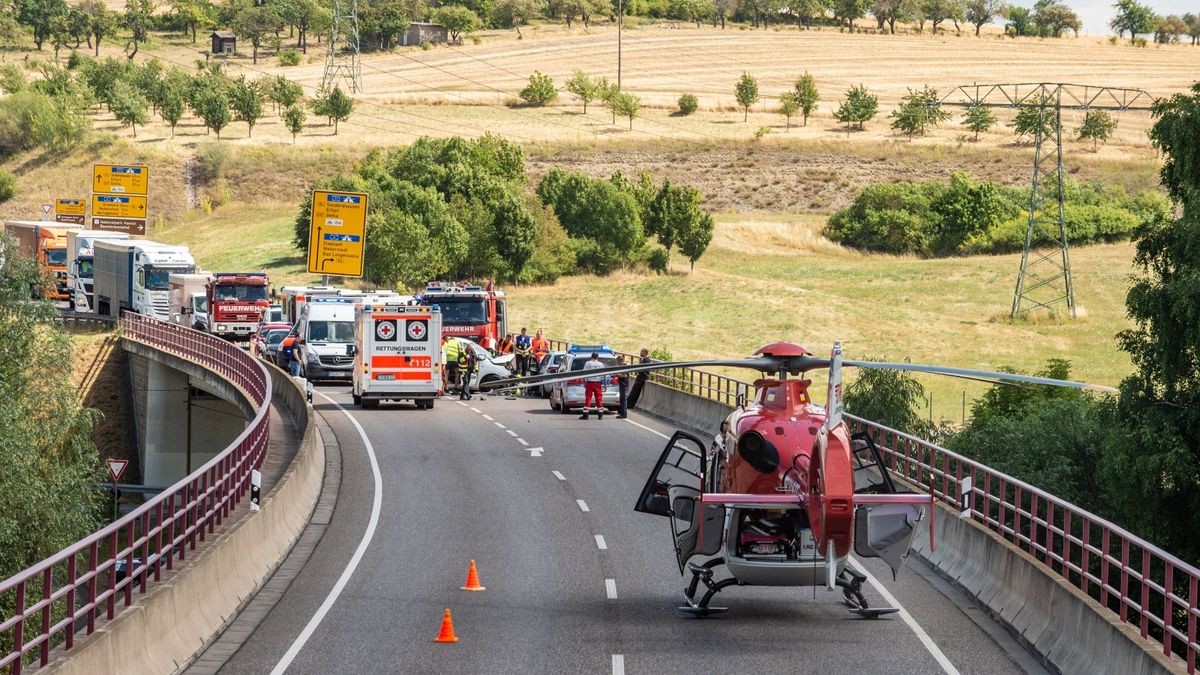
[784,493]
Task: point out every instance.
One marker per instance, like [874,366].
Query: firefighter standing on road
[523,345]
[541,346]
[506,344]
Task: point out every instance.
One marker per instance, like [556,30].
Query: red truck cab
[237,302]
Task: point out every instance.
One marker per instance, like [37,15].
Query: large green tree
[50,465]
[39,16]
[255,24]
[1133,17]
[1159,461]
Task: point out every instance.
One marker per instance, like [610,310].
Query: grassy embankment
[766,277]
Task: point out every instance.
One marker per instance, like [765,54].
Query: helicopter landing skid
[704,574]
[851,584]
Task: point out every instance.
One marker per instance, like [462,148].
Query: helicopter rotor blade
[761,364]
[989,376]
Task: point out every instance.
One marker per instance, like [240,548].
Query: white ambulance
[397,353]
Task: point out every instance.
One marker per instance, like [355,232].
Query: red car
[259,341]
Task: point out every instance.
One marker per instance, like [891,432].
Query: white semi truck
[80,258]
[135,276]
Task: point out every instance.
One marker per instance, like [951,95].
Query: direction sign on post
[337,233]
[118,206]
[132,180]
[134,226]
[70,211]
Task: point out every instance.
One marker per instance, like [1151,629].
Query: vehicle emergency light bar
[577,349]
[401,309]
[443,287]
[341,300]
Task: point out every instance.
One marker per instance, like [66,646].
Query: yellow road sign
[118,206]
[70,207]
[337,233]
[130,180]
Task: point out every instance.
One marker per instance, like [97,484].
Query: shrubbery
[967,216]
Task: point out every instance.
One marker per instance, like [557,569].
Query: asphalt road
[462,483]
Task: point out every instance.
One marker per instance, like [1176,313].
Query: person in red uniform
[593,388]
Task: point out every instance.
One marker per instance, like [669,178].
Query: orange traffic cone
[446,634]
[472,579]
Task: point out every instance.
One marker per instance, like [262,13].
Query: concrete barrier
[164,629]
[677,407]
[1070,631]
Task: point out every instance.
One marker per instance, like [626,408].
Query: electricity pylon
[1045,278]
[341,59]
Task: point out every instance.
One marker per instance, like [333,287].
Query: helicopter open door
[885,519]
[673,491]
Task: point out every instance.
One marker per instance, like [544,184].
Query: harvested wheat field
[466,90]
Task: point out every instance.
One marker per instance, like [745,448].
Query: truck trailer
[47,243]
[80,258]
[135,276]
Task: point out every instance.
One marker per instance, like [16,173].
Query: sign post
[119,198]
[337,233]
[73,211]
[116,469]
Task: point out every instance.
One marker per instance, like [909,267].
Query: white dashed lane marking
[618,666]
[600,543]
[582,505]
[558,475]
[522,441]
[511,433]
[500,425]
[610,588]
[476,410]
[488,418]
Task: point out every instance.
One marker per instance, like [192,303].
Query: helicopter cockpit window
[870,474]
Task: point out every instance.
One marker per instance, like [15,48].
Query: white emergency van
[397,354]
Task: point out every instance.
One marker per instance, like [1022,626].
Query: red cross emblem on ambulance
[385,330]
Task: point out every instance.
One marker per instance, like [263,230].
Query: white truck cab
[397,354]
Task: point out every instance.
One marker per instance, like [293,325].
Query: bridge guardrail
[1139,582]
[80,583]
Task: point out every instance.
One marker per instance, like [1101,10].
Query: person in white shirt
[593,387]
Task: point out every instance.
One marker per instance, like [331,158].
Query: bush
[8,185]
[289,57]
[657,259]
[972,217]
[30,120]
[539,91]
[688,104]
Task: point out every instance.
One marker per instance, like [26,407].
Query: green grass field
[773,277]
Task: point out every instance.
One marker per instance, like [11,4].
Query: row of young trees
[541,91]
[1131,458]
[461,208]
[133,92]
[1138,19]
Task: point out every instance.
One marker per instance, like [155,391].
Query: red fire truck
[236,303]
[473,312]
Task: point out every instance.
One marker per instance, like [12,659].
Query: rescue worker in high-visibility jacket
[506,345]
[466,368]
[523,345]
[450,353]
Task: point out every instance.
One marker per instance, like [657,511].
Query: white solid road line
[891,601]
[656,432]
[372,523]
[582,505]
[600,543]
[610,588]
[618,664]
[558,475]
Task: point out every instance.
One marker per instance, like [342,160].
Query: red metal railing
[67,592]
[1135,580]
[1141,583]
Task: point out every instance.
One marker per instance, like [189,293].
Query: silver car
[570,394]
